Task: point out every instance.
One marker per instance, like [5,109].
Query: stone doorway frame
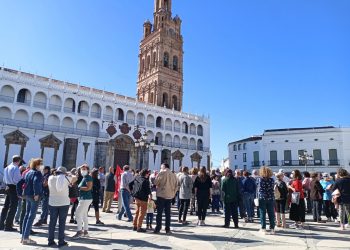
[196,157]
[15,137]
[50,141]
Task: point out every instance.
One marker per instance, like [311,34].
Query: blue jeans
[126,204]
[19,208]
[31,209]
[44,209]
[59,213]
[269,206]
[248,201]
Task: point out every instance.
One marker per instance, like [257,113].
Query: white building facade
[66,125]
[280,148]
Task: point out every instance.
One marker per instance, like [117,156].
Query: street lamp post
[304,158]
[142,144]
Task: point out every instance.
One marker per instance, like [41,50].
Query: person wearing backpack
[249,190]
[141,191]
[281,193]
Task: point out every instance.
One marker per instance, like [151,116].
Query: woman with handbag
[297,209]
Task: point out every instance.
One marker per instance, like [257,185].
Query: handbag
[296,198]
[256,200]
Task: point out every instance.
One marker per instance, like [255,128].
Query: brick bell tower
[160,77]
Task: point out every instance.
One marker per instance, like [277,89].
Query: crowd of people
[238,194]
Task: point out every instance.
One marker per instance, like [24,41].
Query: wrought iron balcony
[95,114]
[55,107]
[41,105]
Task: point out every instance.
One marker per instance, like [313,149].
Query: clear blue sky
[251,65]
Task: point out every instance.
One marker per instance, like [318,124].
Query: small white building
[280,148]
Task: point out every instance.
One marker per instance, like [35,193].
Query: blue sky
[251,65]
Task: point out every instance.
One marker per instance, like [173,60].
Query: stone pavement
[118,235]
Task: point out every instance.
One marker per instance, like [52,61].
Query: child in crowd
[151,205]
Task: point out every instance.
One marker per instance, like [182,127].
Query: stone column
[22,150]
[54,158]
[6,154]
[42,152]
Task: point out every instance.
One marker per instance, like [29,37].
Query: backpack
[277,192]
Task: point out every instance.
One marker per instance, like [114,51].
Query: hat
[62,170]
[73,171]
[325,175]
[281,171]
[47,168]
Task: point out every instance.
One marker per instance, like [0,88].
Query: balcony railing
[140,122]
[334,163]
[26,102]
[177,129]
[68,110]
[52,128]
[108,117]
[41,105]
[302,163]
[150,124]
[193,133]
[55,107]
[83,112]
[4,98]
[130,121]
[256,163]
[95,114]
[169,128]
[160,126]
[273,163]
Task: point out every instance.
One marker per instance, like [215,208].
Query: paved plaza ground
[118,235]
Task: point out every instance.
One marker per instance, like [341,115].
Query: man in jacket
[230,187]
[109,191]
[166,183]
[141,192]
[126,179]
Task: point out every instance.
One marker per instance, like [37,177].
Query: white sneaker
[272,232]
[199,223]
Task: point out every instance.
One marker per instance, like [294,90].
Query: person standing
[85,199]
[32,193]
[151,206]
[297,210]
[12,176]
[74,194]
[185,193]
[266,199]
[109,191]
[102,178]
[193,205]
[316,196]
[44,199]
[203,190]
[249,191]
[96,192]
[166,183]
[230,188]
[281,200]
[328,207]
[342,184]
[59,205]
[242,208]
[216,195]
[142,193]
[126,178]
[307,188]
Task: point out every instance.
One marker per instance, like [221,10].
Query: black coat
[316,193]
[141,188]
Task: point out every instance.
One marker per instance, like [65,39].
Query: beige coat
[167,184]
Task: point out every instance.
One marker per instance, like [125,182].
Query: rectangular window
[317,157]
[235,157]
[333,157]
[287,157]
[256,162]
[300,153]
[244,157]
[273,158]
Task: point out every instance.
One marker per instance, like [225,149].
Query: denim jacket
[33,183]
